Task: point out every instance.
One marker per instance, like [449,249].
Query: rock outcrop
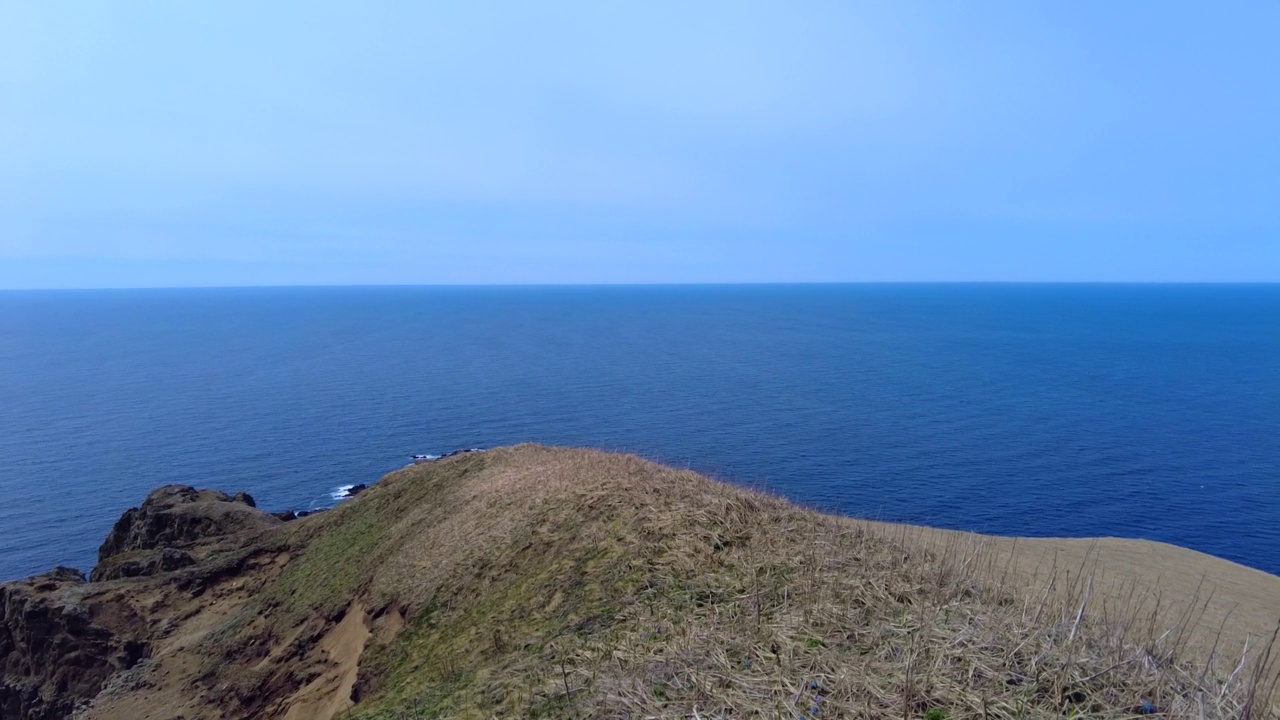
[142,563]
[60,641]
[174,527]
[62,637]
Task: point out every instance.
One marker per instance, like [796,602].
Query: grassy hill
[552,583]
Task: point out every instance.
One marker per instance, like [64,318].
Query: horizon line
[765,283]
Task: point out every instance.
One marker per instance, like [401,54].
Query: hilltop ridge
[547,582]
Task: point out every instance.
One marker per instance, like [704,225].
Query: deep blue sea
[1050,410]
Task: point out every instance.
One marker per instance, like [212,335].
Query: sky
[147,144]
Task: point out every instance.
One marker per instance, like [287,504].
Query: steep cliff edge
[63,637]
[174,527]
[547,582]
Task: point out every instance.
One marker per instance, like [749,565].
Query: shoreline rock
[179,515]
[63,636]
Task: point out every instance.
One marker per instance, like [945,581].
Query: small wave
[341,492]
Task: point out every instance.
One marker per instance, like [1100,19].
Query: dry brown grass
[542,582]
[557,583]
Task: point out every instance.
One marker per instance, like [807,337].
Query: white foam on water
[341,492]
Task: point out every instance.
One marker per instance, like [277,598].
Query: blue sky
[234,143]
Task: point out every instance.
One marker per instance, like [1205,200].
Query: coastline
[199,588]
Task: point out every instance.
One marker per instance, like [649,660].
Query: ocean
[1145,411]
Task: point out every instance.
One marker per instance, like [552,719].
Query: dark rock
[57,576]
[141,563]
[62,637]
[173,558]
[355,490]
[64,574]
[59,644]
[178,516]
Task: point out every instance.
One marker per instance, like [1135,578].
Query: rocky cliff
[174,527]
[63,637]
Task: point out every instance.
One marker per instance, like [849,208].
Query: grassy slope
[539,582]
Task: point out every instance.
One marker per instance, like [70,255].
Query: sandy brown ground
[330,693]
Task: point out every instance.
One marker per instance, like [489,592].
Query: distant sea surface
[1043,410]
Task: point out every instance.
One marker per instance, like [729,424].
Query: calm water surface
[1136,411]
